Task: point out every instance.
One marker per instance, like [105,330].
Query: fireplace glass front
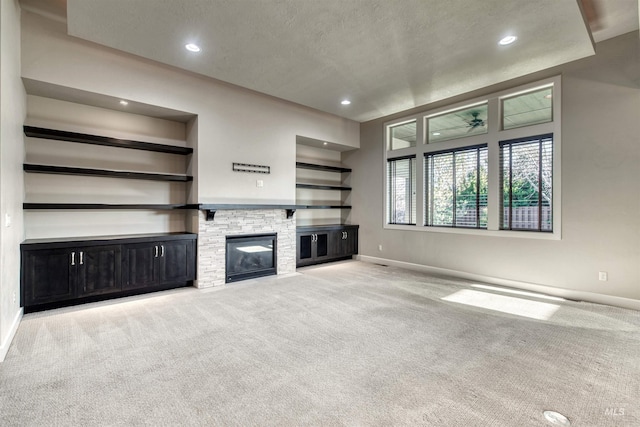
[250,256]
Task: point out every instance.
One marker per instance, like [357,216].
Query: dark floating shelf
[82,138]
[325,207]
[313,166]
[322,187]
[99,206]
[63,170]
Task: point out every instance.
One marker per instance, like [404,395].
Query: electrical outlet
[603,276]
[14,297]
[259,183]
[380,248]
[7,220]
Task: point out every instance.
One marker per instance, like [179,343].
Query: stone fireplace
[213,233]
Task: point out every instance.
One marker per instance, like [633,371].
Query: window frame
[492,139]
[411,189]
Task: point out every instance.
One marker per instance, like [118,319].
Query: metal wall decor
[244,167]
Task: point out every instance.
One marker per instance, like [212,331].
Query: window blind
[456,187]
[526,179]
[401,195]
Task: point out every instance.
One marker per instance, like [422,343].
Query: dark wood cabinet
[344,242]
[146,264]
[318,244]
[98,270]
[312,248]
[60,274]
[176,261]
[47,276]
[68,271]
[140,265]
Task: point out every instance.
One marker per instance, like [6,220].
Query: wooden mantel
[211,209]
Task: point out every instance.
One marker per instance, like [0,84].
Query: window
[526,183]
[456,184]
[491,166]
[526,109]
[402,136]
[401,174]
[463,122]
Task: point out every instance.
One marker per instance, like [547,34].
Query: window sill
[478,232]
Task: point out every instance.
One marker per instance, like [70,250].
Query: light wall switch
[259,183]
[380,248]
[603,276]
[7,220]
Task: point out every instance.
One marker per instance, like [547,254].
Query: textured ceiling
[384,55]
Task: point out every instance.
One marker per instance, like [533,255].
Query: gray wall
[12,112]
[600,197]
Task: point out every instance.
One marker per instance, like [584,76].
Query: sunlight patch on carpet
[505,304]
[516,292]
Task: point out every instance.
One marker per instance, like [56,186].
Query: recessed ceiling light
[436,134]
[507,40]
[192,47]
[548,96]
[325,143]
[345,102]
[123,102]
[556,418]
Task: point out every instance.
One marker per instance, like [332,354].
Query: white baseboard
[4,348]
[549,290]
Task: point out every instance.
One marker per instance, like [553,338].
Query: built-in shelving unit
[323,168]
[105,217]
[58,135]
[323,236]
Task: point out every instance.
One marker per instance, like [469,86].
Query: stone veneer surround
[212,240]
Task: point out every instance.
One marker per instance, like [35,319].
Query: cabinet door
[344,243]
[177,261]
[321,245]
[350,242]
[99,270]
[140,265]
[304,246]
[48,275]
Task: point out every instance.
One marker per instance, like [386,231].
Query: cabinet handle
[73,258]
[156,254]
[81,258]
[162,250]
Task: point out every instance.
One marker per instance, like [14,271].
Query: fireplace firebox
[249,256]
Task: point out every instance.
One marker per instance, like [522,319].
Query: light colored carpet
[348,343]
